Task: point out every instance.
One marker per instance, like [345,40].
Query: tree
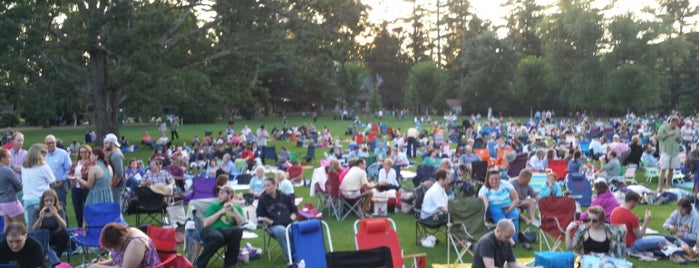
[350,79]
[490,64]
[630,87]
[523,25]
[374,102]
[571,44]
[425,86]
[388,65]
[530,86]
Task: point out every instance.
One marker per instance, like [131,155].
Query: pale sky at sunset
[389,10]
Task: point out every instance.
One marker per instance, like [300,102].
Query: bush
[9,120]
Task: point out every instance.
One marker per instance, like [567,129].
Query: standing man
[18,154]
[59,161]
[116,160]
[174,128]
[494,249]
[669,138]
[262,136]
[413,134]
[277,211]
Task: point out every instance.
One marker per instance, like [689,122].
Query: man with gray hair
[494,249]
[537,163]
[59,161]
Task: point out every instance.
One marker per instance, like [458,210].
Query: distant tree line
[105,59]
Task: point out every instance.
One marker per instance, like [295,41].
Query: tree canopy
[105,60]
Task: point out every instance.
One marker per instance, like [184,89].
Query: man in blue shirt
[59,161]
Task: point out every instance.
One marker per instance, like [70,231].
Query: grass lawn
[342,232]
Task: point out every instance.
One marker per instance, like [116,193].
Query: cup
[246,256]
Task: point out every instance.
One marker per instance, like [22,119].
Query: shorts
[352,194]
[11,209]
[668,161]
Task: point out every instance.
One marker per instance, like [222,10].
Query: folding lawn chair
[148,203]
[350,205]
[269,152]
[555,214]
[467,225]
[479,170]
[306,239]
[202,187]
[517,165]
[379,232]
[194,243]
[423,227]
[96,217]
[310,153]
[332,199]
[559,167]
[580,188]
[165,243]
[630,175]
[379,257]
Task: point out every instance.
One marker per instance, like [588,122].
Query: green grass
[342,232]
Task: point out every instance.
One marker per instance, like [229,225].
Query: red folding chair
[555,214]
[165,242]
[559,167]
[376,232]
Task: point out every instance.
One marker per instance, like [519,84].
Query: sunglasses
[594,220]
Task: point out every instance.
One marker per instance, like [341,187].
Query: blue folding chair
[306,238]
[96,217]
[580,188]
[41,235]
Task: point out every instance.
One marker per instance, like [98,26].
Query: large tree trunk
[106,96]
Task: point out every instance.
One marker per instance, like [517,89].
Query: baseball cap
[112,139]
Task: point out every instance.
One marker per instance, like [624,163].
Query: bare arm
[92,174]
[489,262]
[514,264]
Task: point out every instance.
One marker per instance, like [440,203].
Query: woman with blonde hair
[37,177]
[10,208]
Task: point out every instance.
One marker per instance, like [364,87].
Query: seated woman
[500,199]
[595,236]
[129,247]
[575,164]
[683,224]
[52,217]
[134,174]
[387,176]
[604,198]
[432,159]
[551,188]
[212,168]
[284,185]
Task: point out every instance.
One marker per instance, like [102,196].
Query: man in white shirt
[538,161]
[596,147]
[434,204]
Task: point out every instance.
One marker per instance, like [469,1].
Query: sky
[390,10]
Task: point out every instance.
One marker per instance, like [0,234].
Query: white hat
[112,139]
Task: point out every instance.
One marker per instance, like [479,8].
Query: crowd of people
[98,175]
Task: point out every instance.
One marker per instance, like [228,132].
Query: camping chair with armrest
[579,188]
[165,243]
[559,167]
[272,249]
[194,244]
[202,187]
[333,200]
[479,170]
[423,227]
[422,174]
[379,232]
[307,241]
[310,153]
[517,165]
[96,217]
[148,203]
[350,205]
[269,152]
[555,214]
[467,225]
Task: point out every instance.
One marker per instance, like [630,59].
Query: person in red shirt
[249,157]
[635,241]
[295,172]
